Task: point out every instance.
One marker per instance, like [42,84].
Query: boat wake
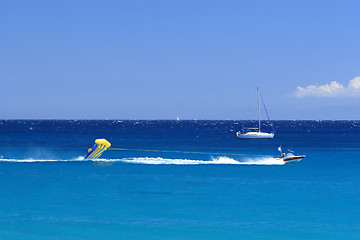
[163,161]
[218,160]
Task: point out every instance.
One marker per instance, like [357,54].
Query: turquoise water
[48,192]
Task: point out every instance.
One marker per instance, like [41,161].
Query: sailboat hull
[255,135]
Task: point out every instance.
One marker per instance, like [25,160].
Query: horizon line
[163,119]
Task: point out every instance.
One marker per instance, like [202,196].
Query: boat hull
[292,159]
[255,135]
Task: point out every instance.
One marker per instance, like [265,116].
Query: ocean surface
[198,189]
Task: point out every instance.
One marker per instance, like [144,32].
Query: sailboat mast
[258,107]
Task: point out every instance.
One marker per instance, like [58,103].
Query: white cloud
[334,89]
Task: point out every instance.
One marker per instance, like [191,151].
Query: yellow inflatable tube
[99,147]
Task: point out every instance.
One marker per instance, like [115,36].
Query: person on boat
[283,154]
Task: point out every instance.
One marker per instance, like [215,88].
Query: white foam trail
[163,161]
[159,160]
[218,160]
[263,161]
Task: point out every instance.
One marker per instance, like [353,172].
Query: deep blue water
[48,192]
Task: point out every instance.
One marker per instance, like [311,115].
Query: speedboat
[291,158]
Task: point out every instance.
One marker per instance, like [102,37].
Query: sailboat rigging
[256,132]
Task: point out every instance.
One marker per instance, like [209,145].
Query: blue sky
[130,59]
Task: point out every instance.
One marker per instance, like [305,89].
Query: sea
[175,180]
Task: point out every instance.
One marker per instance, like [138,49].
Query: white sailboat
[255,132]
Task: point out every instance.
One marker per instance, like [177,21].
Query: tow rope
[168,151]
